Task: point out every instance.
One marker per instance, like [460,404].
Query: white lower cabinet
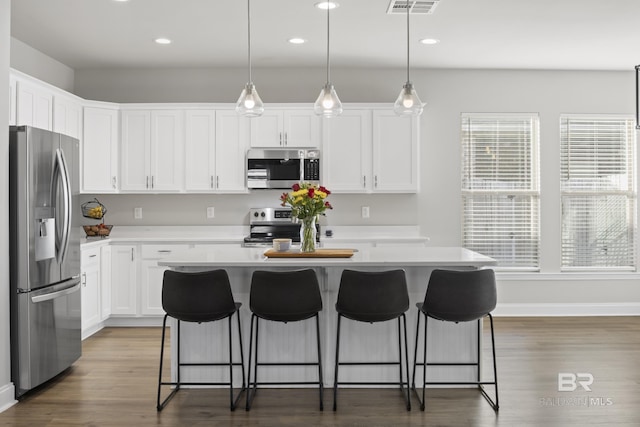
[124,279]
[151,277]
[105,282]
[90,290]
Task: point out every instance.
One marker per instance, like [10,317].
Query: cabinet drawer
[160,251]
[90,256]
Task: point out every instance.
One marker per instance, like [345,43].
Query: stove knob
[263,214]
[255,214]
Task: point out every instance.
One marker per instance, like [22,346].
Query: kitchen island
[360,341]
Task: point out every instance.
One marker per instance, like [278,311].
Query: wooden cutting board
[319,253]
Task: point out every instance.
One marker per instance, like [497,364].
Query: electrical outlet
[210,212]
[365,212]
[137,213]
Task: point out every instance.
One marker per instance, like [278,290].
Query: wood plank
[318,253]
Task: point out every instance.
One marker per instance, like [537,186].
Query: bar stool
[374,297]
[199,297]
[283,296]
[458,296]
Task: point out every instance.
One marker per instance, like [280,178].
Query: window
[500,187]
[598,192]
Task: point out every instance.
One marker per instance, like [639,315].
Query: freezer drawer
[45,334]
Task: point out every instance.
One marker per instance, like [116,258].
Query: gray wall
[6,387]
[436,209]
[36,64]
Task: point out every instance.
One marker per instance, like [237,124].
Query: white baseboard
[133,321]
[7,397]
[567,309]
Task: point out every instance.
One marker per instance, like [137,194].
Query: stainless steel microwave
[282,168]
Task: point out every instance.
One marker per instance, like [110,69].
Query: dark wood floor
[114,384]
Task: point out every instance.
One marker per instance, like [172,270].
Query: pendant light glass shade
[328,104]
[408,102]
[249,104]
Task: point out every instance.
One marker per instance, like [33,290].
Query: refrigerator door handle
[56,294]
[60,172]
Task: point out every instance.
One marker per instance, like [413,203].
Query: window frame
[630,193]
[531,193]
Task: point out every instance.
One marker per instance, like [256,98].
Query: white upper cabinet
[232,136]
[346,153]
[215,148]
[200,147]
[67,116]
[283,128]
[99,150]
[152,144]
[371,151]
[395,153]
[34,105]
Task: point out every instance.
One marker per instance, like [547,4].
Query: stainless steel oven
[281,169]
[266,224]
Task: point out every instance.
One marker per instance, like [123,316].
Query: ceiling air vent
[421,7]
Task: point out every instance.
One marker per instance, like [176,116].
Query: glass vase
[308,234]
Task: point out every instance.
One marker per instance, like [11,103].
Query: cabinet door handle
[147,181]
[286,135]
[131,254]
[113,182]
[217,181]
[211,184]
[364,181]
[375,181]
[280,138]
[92,256]
[164,251]
[151,181]
[84,279]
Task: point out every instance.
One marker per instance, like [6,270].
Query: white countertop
[236,234]
[376,256]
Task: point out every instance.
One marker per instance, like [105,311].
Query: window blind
[500,188]
[598,192]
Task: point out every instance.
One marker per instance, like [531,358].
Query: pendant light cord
[249,36]
[408,80]
[328,36]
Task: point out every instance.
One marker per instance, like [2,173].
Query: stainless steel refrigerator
[44,241]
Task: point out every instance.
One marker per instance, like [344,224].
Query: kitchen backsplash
[232,209]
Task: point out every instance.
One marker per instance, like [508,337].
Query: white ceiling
[522,34]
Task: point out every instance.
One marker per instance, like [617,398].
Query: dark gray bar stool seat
[199,298]
[374,297]
[458,296]
[283,296]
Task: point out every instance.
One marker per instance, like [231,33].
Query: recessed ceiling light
[429,41]
[162,40]
[327,5]
[297,40]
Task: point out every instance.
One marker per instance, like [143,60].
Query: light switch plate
[365,212]
[137,213]
[211,212]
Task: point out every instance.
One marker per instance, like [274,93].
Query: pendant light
[408,102]
[328,104]
[249,104]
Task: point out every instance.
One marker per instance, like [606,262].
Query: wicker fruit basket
[101,230]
